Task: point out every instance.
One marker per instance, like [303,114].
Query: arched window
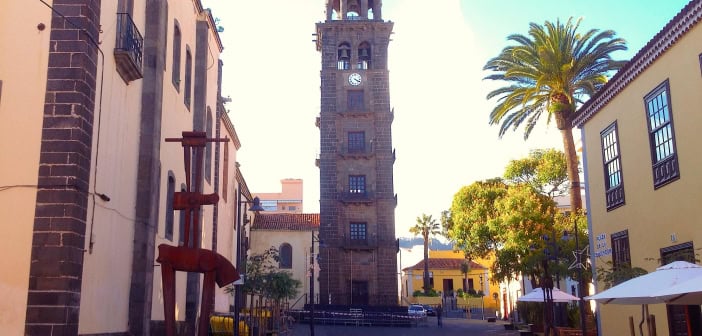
[188,76]
[170,191]
[285,255]
[364,56]
[208,147]
[344,56]
[175,71]
[352,10]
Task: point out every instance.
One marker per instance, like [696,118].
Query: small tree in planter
[279,286]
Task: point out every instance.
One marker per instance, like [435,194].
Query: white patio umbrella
[537,295]
[653,287]
[688,292]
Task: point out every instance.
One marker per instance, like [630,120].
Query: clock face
[355,79]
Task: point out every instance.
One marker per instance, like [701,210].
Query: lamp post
[256,206]
[482,296]
[579,265]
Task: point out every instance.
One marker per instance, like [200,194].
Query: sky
[441,132]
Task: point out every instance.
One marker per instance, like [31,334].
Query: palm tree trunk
[576,201]
[426,264]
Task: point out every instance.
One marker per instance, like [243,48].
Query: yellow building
[642,162]
[89,91]
[445,276]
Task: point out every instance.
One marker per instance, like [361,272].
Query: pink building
[289,200]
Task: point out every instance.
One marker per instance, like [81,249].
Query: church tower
[357,250]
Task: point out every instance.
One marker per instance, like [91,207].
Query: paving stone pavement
[451,327]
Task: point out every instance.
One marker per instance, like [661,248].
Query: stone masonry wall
[58,241]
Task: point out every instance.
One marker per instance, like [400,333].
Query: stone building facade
[357,200]
[89,90]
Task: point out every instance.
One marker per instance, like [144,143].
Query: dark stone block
[38,330]
[46,314]
[53,284]
[65,73]
[53,298]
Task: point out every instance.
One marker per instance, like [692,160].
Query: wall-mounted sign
[601,246]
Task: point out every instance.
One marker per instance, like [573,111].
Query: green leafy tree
[511,222]
[427,227]
[524,217]
[279,286]
[472,215]
[544,169]
[445,221]
[551,71]
[258,266]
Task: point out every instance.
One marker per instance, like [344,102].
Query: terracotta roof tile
[444,263]
[286,221]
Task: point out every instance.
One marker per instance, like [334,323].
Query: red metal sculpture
[190,257]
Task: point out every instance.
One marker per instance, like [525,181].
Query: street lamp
[482,296]
[579,265]
[256,206]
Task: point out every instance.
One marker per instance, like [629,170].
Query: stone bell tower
[357,254]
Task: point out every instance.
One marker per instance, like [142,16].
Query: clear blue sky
[441,131]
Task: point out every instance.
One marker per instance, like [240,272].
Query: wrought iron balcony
[356,196]
[364,151]
[129,48]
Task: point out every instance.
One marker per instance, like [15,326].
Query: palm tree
[465,269]
[426,226]
[552,71]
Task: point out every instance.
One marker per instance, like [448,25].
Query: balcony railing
[665,171]
[129,48]
[615,197]
[356,196]
[370,243]
[354,151]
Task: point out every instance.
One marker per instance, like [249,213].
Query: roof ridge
[678,26]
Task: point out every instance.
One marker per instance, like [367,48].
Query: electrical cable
[99,119]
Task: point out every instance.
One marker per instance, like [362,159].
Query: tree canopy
[515,222]
[544,169]
[551,71]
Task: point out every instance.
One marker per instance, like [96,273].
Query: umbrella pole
[641,322]
[632,331]
[648,322]
[644,312]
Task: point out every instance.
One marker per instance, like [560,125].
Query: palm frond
[553,62]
